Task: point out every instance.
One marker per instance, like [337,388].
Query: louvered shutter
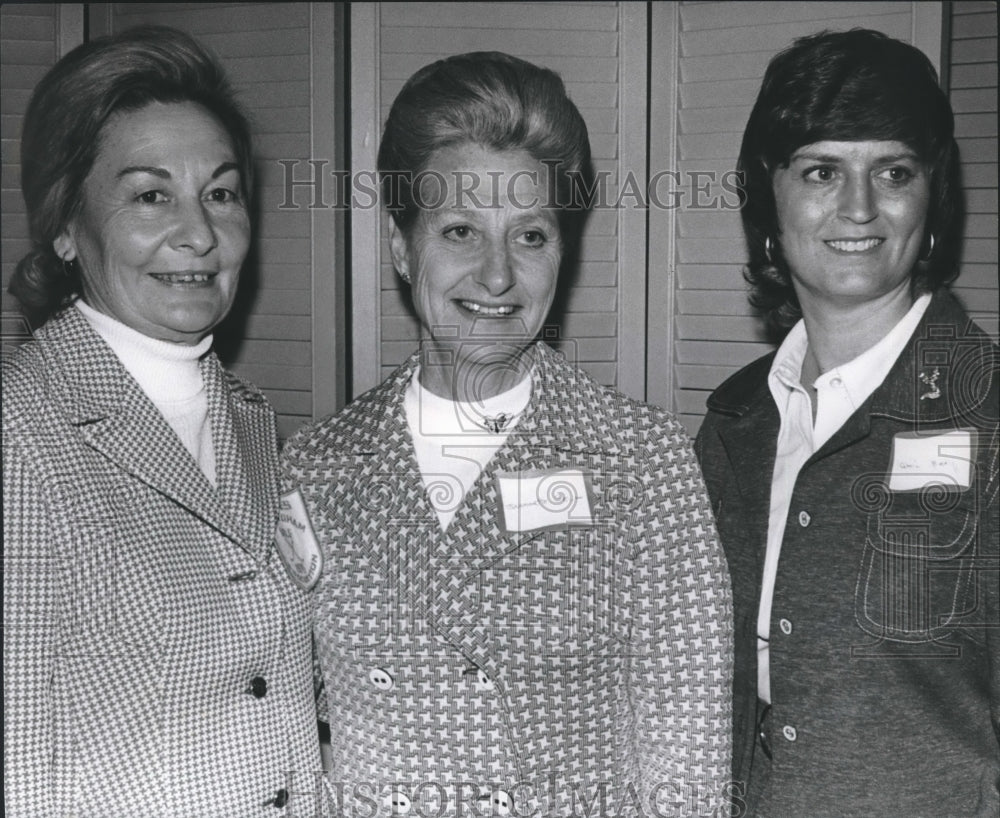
[973,90]
[29,43]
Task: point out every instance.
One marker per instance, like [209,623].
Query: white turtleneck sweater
[451,441]
[170,375]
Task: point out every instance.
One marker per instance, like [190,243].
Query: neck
[467,379]
[165,371]
[840,332]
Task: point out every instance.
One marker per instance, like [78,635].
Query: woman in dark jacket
[854,472]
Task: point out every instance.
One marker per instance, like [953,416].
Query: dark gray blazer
[885,633]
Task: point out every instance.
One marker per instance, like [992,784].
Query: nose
[194,231]
[496,273]
[858,200]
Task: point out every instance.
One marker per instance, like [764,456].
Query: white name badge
[919,461]
[297,543]
[534,500]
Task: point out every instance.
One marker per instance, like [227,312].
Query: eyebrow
[163,173]
[832,160]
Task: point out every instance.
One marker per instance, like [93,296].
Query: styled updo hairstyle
[854,85]
[491,99]
[62,137]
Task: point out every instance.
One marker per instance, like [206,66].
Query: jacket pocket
[916,568]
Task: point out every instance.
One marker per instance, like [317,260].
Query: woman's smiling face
[483,254]
[851,219]
[163,228]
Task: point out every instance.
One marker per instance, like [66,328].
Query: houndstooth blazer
[538,673]
[157,658]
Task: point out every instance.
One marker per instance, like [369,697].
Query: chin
[192,327]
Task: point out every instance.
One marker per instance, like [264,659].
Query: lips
[855,245]
[187,277]
[487,309]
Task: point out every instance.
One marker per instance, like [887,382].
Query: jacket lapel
[246,472]
[115,418]
[441,573]
[547,439]
[390,520]
[937,378]
[749,438]
[943,373]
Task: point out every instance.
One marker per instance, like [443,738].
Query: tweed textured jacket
[547,672]
[157,657]
[885,628]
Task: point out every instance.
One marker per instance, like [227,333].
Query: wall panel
[973,91]
[28,48]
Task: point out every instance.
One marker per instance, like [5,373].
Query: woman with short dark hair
[522,607]
[157,656]
[861,85]
[864,563]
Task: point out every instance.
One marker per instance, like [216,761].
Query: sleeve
[30,611]
[681,671]
[988,575]
[288,483]
[705,448]
[699,442]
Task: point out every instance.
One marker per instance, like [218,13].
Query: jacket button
[398,803]
[381,679]
[804,519]
[279,800]
[258,687]
[480,681]
[502,803]
[786,626]
[789,732]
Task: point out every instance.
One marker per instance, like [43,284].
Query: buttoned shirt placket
[839,393]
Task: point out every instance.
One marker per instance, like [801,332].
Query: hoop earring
[767,250]
[930,249]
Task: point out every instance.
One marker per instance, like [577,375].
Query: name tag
[919,461]
[297,543]
[538,500]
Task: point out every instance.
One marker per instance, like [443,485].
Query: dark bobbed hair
[846,86]
[62,129]
[491,99]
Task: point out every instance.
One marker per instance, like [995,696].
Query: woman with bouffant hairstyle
[523,606]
